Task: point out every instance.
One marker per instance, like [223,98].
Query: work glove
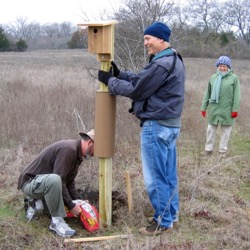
[104,76]
[234,114]
[203,113]
[116,71]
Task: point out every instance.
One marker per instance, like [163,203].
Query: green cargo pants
[49,188]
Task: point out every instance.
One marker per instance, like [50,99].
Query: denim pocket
[167,135]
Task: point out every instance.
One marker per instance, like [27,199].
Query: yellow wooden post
[101,42]
[129,192]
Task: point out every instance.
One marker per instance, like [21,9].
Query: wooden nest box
[101,39]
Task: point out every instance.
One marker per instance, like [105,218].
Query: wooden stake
[129,191]
[96,238]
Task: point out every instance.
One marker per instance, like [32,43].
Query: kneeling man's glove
[104,76]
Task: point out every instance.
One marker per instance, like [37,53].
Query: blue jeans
[158,152]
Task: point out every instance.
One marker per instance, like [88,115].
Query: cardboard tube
[105,114]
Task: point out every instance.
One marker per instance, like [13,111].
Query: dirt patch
[118,199]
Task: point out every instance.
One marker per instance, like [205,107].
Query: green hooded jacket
[229,100]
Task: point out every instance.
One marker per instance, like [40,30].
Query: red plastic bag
[89,216]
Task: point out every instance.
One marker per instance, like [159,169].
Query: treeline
[7,45]
[36,36]
[200,28]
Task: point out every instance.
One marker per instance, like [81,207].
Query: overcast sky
[50,11]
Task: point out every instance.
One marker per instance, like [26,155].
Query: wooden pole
[129,192]
[105,191]
[105,163]
[96,238]
[101,42]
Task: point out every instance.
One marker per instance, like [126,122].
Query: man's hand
[104,76]
[116,71]
[76,210]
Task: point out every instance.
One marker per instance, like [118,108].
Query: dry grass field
[47,96]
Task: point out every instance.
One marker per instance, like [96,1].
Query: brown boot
[154,229]
[175,223]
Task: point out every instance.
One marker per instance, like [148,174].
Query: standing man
[222,102]
[158,96]
[51,177]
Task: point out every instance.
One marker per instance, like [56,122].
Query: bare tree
[67,29]
[208,15]
[134,16]
[49,30]
[181,19]
[64,29]
[238,12]
[22,29]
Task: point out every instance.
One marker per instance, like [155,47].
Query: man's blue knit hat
[224,60]
[158,29]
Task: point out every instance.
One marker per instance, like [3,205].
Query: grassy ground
[48,95]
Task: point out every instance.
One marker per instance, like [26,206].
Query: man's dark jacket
[62,158]
[155,94]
